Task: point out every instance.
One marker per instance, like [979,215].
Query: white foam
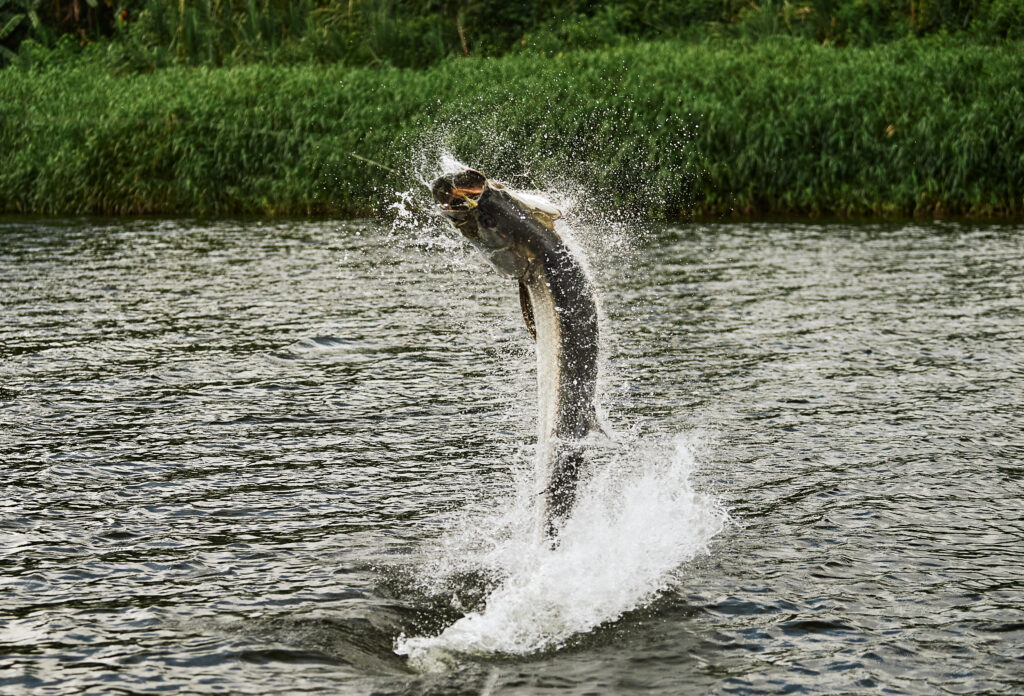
[638,520]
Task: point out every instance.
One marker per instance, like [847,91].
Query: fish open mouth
[459,192]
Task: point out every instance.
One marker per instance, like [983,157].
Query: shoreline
[924,129]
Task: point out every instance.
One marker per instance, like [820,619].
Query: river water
[294,457]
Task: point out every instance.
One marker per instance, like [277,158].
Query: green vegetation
[780,125]
[712,106]
[148,34]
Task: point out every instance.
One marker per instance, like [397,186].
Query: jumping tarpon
[516,233]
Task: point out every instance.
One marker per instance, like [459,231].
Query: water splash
[638,519]
[586,224]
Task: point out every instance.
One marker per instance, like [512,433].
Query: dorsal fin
[524,302]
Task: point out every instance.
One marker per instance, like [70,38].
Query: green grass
[777,126]
[142,35]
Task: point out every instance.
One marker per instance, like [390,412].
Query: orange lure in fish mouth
[460,191]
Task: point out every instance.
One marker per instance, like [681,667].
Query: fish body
[516,234]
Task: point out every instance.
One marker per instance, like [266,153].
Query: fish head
[501,223]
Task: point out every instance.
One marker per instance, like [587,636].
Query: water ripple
[230,451]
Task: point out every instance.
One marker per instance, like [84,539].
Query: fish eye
[487,221]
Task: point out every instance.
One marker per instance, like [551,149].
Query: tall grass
[784,126]
[147,34]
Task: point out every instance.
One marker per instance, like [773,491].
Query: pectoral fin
[524,301]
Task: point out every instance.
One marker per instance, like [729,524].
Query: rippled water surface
[291,457]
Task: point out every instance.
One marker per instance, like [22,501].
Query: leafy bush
[668,128]
[1005,18]
[17,18]
[147,34]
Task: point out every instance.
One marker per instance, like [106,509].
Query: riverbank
[782,126]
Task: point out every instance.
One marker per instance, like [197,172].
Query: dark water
[234,454]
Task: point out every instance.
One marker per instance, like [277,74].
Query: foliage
[141,35]
[17,17]
[779,126]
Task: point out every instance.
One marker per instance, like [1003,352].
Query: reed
[669,128]
[147,34]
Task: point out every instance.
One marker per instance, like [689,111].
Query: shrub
[668,128]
